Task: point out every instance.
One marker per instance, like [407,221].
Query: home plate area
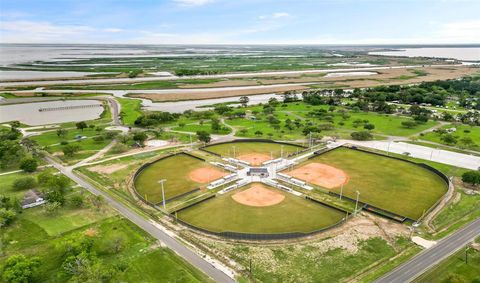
[258,196]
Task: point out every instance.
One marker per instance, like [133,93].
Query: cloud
[277,15]
[461,32]
[42,28]
[113,30]
[192,3]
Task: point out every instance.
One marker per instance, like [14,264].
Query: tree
[258,133]
[69,150]
[243,131]
[61,133]
[449,139]
[216,126]
[81,125]
[52,206]
[203,136]
[471,177]
[409,124]
[361,136]
[140,137]
[28,165]
[77,200]
[369,126]
[467,141]
[244,101]
[6,216]
[24,183]
[19,268]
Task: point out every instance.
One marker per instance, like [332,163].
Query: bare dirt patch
[90,232]
[254,158]
[108,169]
[214,93]
[320,174]
[205,174]
[258,196]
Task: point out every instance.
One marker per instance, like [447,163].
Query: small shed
[32,198]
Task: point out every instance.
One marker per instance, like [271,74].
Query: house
[451,130]
[32,198]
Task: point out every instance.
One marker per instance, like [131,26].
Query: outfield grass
[293,214]
[175,170]
[393,185]
[274,149]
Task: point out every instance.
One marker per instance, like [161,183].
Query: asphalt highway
[410,270]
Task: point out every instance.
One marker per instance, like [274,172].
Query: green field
[463,131]
[130,109]
[274,149]
[293,214]
[393,185]
[175,170]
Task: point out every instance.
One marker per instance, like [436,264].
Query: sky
[240,21]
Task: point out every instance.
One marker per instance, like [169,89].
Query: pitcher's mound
[254,158]
[258,196]
[205,174]
[320,174]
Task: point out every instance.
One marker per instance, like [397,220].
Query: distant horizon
[248,22]
[257,44]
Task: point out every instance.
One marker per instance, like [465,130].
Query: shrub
[29,165]
[24,183]
[361,136]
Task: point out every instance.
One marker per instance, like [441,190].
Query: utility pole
[356,203]
[191,143]
[163,192]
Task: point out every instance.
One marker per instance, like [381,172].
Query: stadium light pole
[233,151]
[281,151]
[356,203]
[163,191]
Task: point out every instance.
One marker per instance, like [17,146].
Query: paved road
[172,243]
[429,257]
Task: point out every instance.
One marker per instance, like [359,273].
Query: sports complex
[266,190]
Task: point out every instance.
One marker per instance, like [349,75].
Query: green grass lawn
[454,269]
[49,139]
[274,149]
[384,124]
[175,170]
[26,236]
[207,127]
[293,214]
[462,131]
[66,219]
[389,184]
[162,265]
[6,182]
[130,109]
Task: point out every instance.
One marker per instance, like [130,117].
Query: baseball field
[182,172]
[393,185]
[253,152]
[259,209]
